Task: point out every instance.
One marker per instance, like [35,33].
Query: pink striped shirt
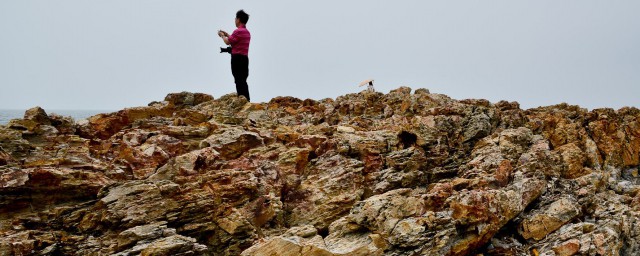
[239,40]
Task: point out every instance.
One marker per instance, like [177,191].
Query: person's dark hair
[243,16]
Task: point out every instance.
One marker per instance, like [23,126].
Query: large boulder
[187,99]
[38,115]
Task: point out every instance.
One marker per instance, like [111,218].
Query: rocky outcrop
[403,173]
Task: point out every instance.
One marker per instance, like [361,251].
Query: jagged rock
[145,232]
[477,127]
[366,173]
[16,244]
[4,157]
[40,188]
[573,161]
[331,187]
[616,135]
[552,218]
[232,142]
[186,99]
[567,248]
[70,151]
[383,212]
[23,125]
[12,142]
[406,169]
[38,115]
[144,152]
[289,247]
[63,124]
[103,126]
[485,212]
[129,205]
[305,241]
[172,245]
[346,238]
[189,164]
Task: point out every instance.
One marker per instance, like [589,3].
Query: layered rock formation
[365,174]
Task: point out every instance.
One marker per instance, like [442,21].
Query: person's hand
[222,33]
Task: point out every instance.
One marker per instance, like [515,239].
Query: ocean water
[7,114]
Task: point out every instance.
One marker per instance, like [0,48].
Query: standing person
[239,41]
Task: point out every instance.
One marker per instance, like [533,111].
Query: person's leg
[241,83]
[240,71]
[246,75]
[235,71]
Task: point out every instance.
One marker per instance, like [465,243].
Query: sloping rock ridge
[403,173]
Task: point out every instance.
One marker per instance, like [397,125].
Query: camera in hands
[227,49]
[222,34]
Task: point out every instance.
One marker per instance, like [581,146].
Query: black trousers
[240,71]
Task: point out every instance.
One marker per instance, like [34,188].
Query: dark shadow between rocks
[407,139]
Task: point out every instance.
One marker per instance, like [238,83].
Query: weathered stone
[383,212]
[573,161]
[143,152]
[173,245]
[189,164]
[12,142]
[129,205]
[346,238]
[23,124]
[5,158]
[310,244]
[44,187]
[406,170]
[552,218]
[567,248]
[16,244]
[332,186]
[64,124]
[478,127]
[38,115]
[103,126]
[185,99]
[232,142]
[486,211]
[145,232]
[364,174]
[286,247]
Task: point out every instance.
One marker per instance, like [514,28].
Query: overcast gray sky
[80,54]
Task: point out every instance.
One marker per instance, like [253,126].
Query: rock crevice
[368,173]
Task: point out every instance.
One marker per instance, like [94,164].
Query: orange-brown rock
[4,158]
[568,248]
[617,135]
[552,218]
[573,161]
[104,126]
[37,115]
[187,99]
[401,173]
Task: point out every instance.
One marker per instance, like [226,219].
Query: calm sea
[8,114]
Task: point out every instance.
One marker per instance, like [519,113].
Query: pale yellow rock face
[552,218]
[403,173]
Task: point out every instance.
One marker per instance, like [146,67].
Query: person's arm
[225,37]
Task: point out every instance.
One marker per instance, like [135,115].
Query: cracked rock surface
[402,173]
